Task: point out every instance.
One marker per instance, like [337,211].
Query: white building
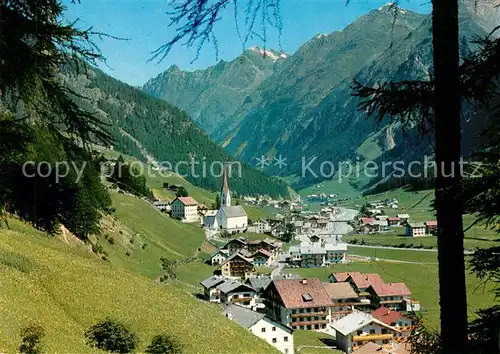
[415,229]
[276,334]
[162,205]
[219,256]
[212,293]
[358,328]
[228,217]
[185,208]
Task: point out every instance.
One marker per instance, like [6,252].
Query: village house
[361,282]
[261,226]
[262,326]
[383,225]
[415,229]
[233,291]
[211,292]
[260,258]
[335,253]
[312,256]
[358,328]
[367,221]
[393,220]
[162,205]
[431,227]
[299,304]
[218,257]
[237,266]
[397,320]
[403,218]
[259,283]
[343,297]
[368,229]
[234,245]
[267,245]
[185,209]
[391,295]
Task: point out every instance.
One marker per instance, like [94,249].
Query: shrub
[111,240]
[106,236]
[31,342]
[120,232]
[111,336]
[144,246]
[97,248]
[104,258]
[128,253]
[164,344]
[410,245]
[132,241]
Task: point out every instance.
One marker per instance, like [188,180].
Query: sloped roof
[291,292]
[391,289]
[371,348]
[393,218]
[403,216]
[386,315]
[212,281]
[244,317]
[367,220]
[342,276]
[259,284]
[224,252]
[365,280]
[231,285]
[431,223]
[352,322]
[237,255]
[263,252]
[340,291]
[187,200]
[233,211]
[414,225]
[336,247]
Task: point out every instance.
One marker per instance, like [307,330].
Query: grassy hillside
[66,288]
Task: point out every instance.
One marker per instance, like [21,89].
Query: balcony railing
[371,337]
[241,299]
[306,323]
[309,314]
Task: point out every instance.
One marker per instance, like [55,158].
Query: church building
[232,218]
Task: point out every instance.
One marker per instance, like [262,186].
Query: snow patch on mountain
[268,53]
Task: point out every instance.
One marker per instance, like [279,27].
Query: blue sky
[145,24]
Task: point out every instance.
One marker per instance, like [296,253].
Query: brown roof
[340,291]
[386,315]
[187,200]
[391,289]
[431,223]
[342,276]
[365,280]
[294,293]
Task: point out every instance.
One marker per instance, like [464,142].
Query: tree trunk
[452,288]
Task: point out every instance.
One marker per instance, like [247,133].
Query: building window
[285,338]
[385,341]
[384,331]
[263,330]
[275,340]
[372,331]
[360,332]
[274,329]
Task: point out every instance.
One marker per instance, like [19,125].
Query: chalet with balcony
[260,258]
[358,328]
[393,220]
[234,245]
[233,291]
[395,296]
[212,293]
[397,320]
[299,304]
[343,298]
[237,266]
[266,245]
[335,253]
[362,282]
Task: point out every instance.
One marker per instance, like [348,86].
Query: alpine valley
[300,106]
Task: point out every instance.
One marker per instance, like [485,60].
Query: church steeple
[225,193]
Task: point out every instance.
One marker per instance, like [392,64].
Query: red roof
[431,223]
[391,289]
[365,280]
[303,293]
[386,315]
[187,201]
[341,277]
[393,218]
[367,220]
